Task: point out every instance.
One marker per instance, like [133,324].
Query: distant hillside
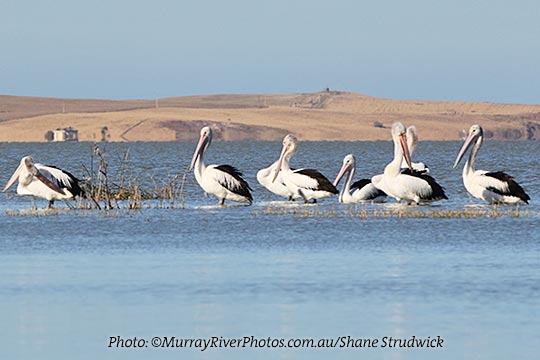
[328,115]
[15,107]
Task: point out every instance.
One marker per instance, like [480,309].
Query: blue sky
[457,50]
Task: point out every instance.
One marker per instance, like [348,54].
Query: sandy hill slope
[328,115]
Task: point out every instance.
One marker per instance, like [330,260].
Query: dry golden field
[327,115]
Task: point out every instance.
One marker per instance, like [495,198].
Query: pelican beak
[48,183]
[342,172]
[466,145]
[281,157]
[405,150]
[14,177]
[198,150]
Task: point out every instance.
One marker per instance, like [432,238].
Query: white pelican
[223,181]
[265,176]
[360,191]
[409,185]
[310,184]
[412,140]
[44,181]
[494,187]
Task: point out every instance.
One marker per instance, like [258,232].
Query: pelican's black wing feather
[514,189]
[437,192]
[360,184]
[322,181]
[241,188]
[364,182]
[73,185]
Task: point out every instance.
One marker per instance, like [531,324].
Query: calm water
[71,279]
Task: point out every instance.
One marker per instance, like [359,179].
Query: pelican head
[399,135]
[26,162]
[349,162]
[412,138]
[398,129]
[204,141]
[475,134]
[291,141]
[290,146]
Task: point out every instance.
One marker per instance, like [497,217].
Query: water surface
[71,279]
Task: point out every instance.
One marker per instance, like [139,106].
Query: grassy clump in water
[102,192]
[34,212]
[365,213]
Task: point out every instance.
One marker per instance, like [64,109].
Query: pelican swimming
[360,191]
[412,140]
[310,184]
[44,181]
[265,176]
[493,187]
[223,181]
[408,185]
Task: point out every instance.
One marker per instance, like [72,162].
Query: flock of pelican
[402,179]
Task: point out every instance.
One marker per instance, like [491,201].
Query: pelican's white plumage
[360,191]
[44,181]
[223,181]
[278,187]
[493,187]
[309,184]
[408,185]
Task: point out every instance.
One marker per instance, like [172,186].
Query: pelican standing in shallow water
[408,185]
[44,181]
[360,191]
[309,184]
[223,181]
[493,187]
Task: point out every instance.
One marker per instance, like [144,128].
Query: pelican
[360,191]
[409,185]
[412,140]
[265,176]
[44,181]
[494,187]
[223,181]
[310,184]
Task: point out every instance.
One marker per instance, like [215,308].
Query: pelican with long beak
[44,181]
[223,181]
[410,186]
[493,187]
[309,184]
[360,191]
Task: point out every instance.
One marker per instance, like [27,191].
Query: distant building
[105,134]
[64,134]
